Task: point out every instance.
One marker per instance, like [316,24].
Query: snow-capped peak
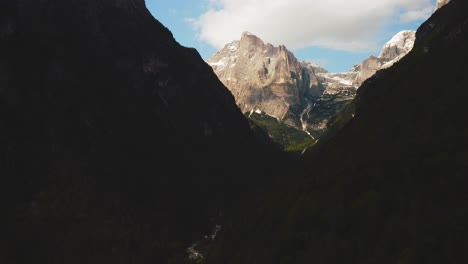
[401,43]
[403,39]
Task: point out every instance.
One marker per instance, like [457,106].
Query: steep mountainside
[392,52]
[390,187]
[340,88]
[107,155]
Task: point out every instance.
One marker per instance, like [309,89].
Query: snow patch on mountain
[338,79]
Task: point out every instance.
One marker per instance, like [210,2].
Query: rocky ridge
[392,52]
[268,79]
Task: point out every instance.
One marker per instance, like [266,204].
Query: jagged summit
[247,34]
[266,78]
[400,44]
[250,40]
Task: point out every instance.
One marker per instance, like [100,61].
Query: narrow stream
[192,252]
[304,124]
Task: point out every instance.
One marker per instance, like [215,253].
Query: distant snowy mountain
[392,52]
[397,47]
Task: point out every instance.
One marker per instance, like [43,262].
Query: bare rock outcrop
[266,78]
[400,44]
[392,52]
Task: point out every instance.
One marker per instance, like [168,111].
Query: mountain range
[270,80]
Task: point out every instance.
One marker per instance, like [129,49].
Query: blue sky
[336,34]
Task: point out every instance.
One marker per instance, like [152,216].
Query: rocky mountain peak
[247,34]
[266,78]
[400,44]
[249,40]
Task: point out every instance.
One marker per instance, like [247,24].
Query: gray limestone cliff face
[266,78]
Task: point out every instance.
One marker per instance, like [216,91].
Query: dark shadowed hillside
[390,186]
[117,145]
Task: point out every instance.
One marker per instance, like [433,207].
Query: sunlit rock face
[266,78]
[270,79]
[392,52]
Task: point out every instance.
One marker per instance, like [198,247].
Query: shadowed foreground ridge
[117,145]
[390,187]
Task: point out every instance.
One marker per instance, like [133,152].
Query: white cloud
[339,24]
[414,15]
